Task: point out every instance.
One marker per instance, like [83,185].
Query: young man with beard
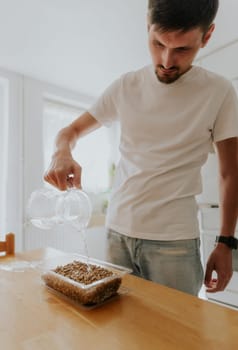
[171,115]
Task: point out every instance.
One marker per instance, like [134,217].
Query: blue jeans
[175,264]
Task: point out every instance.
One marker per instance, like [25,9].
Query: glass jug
[49,207]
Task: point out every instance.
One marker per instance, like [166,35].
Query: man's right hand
[63,172]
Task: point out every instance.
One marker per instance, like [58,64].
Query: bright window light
[92,152]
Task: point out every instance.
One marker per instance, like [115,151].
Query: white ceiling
[84,44]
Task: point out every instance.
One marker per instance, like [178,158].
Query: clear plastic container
[87,294]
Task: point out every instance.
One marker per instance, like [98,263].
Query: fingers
[208,275]
[218,284]
[219,262]
[215,285]
[76,179]
[211,285]
[52,179]
[63,179]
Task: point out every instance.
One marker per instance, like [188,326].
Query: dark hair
[183,15]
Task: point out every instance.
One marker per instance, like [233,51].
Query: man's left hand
[219,261]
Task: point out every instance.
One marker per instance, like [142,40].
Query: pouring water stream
[48,208]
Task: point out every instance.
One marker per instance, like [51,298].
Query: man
[171,113]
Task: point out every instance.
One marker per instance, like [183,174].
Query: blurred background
[56,58]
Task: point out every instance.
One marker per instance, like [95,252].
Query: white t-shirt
[167,131]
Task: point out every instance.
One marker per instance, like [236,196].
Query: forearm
[65,142]
[220,259]
[228,171]
[68,136]
[64,171]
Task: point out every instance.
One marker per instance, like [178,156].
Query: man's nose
[167,59]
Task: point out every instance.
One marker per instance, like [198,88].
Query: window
[92,152]
[47,109]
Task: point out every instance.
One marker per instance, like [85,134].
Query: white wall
[76,44]
[83,46]
[13,158]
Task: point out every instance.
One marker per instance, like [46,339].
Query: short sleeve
[105,108]
[226,124]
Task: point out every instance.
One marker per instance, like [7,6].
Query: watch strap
[230,241]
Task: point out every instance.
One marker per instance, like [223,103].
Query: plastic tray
[86,294]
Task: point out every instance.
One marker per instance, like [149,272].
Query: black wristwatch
[230,241]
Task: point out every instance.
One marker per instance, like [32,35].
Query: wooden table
[148,316]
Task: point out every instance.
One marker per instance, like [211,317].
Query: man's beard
[167,78]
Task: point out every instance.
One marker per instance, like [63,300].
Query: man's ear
[208,35]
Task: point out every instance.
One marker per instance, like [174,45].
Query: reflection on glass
[47,208]
[74,207]
[41,208]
